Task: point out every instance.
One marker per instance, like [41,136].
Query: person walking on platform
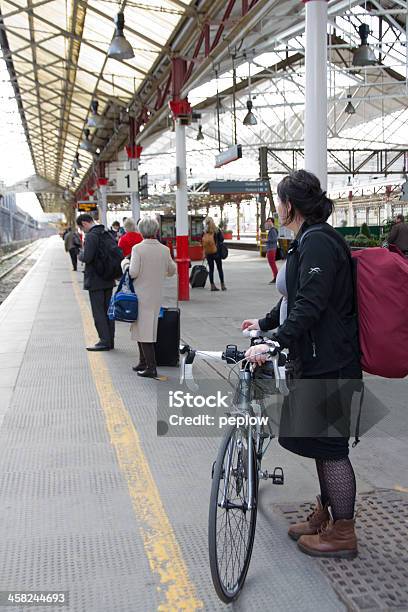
[212,243]
[100,289]
[73,244]
[150,263]
[114,230]
[399,234]
[271,246]
[319,326]
[130,239]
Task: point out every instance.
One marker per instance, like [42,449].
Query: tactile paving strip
[378,578]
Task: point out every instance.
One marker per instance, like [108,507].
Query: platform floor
[94,503]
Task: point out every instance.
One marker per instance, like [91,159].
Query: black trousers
[147,355]
[99,304]
[218,261]
[74,257]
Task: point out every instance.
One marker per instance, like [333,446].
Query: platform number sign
[126,181]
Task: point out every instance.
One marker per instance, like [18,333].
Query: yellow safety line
[162,549]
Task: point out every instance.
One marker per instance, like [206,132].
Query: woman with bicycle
[316,320]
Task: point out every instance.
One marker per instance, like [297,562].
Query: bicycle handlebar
[232,356]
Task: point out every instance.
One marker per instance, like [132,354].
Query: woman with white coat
[150,263]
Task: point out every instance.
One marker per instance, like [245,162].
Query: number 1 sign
[127,181]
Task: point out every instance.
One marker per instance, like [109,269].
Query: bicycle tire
[228,595]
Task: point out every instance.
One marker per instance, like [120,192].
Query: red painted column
[181,110]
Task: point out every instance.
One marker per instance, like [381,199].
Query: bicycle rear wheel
[231,525]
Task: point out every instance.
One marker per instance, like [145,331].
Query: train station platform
[95,504]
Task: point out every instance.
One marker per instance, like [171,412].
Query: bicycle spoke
[233,524]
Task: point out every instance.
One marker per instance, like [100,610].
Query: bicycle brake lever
[189,377]
[186,373]
[280,378]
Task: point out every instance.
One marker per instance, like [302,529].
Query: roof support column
[388,205]
[316,89]
[181,110]
[103,200]
[134,152]
[350,210]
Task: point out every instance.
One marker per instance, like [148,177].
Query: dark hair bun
[302,189]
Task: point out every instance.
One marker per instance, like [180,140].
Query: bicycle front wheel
[231,523]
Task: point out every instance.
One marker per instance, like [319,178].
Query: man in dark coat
[100,289]
[399,234]
[72,243]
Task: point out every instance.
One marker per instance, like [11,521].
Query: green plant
[364,231]
[361,240]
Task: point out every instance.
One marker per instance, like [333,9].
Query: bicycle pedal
[277,477]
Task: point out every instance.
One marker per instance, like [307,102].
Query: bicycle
[236,472]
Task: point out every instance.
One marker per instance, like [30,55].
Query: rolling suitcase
[168,337]
[198,276]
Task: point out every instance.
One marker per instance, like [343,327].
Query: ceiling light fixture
[350,110]
[120,48]
[75,173]
[77,163]
[95,120]
[249,118]
[86,145]
[364,55]
[200,135]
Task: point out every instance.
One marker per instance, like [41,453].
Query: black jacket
[399,236]
[92,280]
[321,328]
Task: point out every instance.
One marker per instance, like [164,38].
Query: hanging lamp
[77,163]
[249,118]
[95,120]
[200,135]
[350,110]
[120,48]
[86,144]
[364,55]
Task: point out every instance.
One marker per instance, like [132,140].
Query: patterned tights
[337,486]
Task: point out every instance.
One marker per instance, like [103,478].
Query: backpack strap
[353,263]
[357,431]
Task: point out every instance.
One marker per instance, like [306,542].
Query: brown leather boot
[313,522]
[335,539]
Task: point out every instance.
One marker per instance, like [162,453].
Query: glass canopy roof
[58,53]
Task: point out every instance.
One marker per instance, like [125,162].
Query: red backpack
[381,286]
[382,296]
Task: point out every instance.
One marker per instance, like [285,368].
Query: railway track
[14,266]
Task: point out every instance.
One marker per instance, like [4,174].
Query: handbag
[224,251]
[124,305]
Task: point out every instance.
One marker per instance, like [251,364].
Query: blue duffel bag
[123,305]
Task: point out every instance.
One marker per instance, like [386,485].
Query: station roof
[56,55]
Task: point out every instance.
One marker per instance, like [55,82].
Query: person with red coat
[130,237]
